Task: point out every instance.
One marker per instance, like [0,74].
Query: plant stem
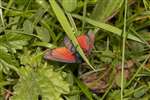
[123,49]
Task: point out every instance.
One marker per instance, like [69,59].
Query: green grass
[118,68]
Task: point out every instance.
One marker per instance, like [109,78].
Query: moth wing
[60,54]
[86,42]
[69,44]
[83,41]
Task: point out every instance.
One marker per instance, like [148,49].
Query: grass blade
[123,48]
[68,29]
[84,89]
[108,27]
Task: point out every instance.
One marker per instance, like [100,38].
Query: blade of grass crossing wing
[108,27]
[68,29]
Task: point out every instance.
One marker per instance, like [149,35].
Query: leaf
[43,34]
[84,89]
[9,43]
[44,44]
[141,91]
[68,29]
[31,59]
[114,95]
[20,2]
[69,5]
[75,94]
[28,27]
[14,41]
[42,83]
[6,56]
[105,8]
[7,61]
[108,27]
[106,56]
[42,3]
[118,79]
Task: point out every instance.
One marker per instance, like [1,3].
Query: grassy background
[118,67]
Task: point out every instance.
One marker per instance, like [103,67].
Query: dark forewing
[69,44]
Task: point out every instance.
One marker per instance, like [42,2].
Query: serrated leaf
[75,94]
[7,61]
[14,40]
[43,82]
[106,56]
[29,59]
[6,56]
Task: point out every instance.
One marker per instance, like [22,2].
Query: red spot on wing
[61,54]
[83,41]
[86,42]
